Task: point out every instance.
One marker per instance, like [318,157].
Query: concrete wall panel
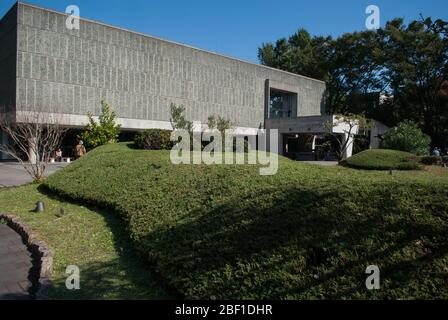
[8,60]
[71,71]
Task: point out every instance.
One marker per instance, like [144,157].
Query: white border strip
[79,121]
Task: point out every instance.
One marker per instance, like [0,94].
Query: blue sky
[238,28]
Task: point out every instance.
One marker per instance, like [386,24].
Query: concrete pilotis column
[280,144]
[32,155]
[3,141]
[349,149]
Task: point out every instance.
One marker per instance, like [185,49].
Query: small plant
[407,137]
[178,120]
[105,131]
[153,139]
[219,123]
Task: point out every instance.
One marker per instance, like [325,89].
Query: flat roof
[170,42]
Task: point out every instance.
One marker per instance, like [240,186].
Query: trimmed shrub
[407,137]
[431,160]
[225,232]
[153,139]
[378,159]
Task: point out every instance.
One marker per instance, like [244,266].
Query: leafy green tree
[348,64]
[354,70]
[211,122]
[408,137]
[407,62]
[105,131]
[301,54]
[219,123]
[178,120]
[416,70]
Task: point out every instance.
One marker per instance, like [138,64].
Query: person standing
[436,152]
[58,155]
[80,150]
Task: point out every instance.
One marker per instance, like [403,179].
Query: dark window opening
[281,104]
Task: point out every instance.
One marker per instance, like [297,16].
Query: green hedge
[309,232]
[153,139]
[378,159]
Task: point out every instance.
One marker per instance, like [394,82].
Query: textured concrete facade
[70,71]
[8,59]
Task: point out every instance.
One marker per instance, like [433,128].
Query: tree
[33,140]
[105,131]
[416,70]
[347,126]
[407,137]
[219,123]
[301,54]
[407,62]
[178,120]
[355,70]
[348,64]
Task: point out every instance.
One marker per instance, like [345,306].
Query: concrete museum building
[46,67]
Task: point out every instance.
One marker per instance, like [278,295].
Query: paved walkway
[13,174]
[15,266]
[16,262]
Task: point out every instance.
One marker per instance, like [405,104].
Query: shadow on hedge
[106,278]
[304,243]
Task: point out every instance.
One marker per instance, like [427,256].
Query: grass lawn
[93,240]
[308,232]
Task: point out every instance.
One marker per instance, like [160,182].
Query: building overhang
[74,121]
[311,124]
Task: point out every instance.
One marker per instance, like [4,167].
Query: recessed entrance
[309,147]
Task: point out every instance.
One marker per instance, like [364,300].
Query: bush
[245,147]
[225,232]
[407,137]
[431,160]
[105,131]
[153,139]
[378,159]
